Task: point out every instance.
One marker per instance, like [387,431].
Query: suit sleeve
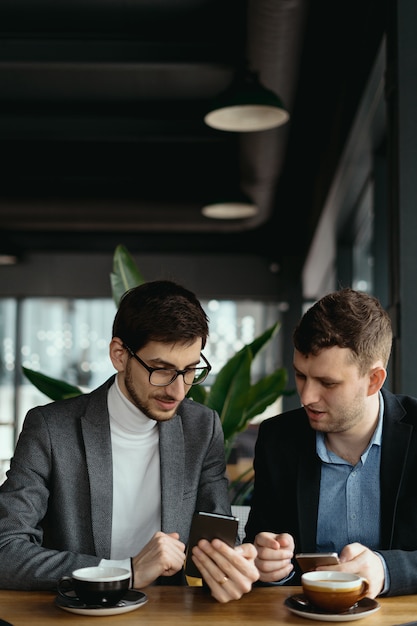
[24,562]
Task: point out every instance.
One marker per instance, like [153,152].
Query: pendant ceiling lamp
[8,259]
[237,206]
[247,106]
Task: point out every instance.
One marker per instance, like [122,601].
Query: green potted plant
[232,394]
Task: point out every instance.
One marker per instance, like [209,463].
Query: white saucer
[363,608]
[131,601]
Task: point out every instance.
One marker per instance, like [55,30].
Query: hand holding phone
[209,526]
[309,561]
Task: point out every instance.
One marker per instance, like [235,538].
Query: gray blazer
[56,503]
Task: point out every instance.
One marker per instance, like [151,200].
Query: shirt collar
[326,456]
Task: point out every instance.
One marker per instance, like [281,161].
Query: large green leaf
[51,387]
[235,401]
[232,374]
[266,391]
[125,273]
[223,381]
[258,343]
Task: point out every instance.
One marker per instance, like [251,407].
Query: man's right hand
[275,553]
[162,556]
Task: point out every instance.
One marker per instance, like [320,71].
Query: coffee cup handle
[365,588]
[65,585]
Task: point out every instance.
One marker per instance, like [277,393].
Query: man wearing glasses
[114,476]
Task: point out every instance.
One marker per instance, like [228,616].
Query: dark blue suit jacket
[287,483]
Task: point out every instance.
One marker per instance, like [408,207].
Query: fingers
[273,571]
[351,551]
[229,572]
[248,550]
[351,558]
[274,541]
[355,558]
[163,555]
[173,535]
[275,554]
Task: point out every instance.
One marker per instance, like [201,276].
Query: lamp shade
[8,259]
[247,106]
[238,206]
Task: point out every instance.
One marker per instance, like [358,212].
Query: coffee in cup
[101,586]
[334,592]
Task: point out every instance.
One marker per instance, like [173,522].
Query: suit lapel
[308,490]
[396,436]
[172,454]
[96,433]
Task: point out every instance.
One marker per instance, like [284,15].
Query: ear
[118,354]
[377,378]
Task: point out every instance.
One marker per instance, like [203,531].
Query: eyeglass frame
[151,370]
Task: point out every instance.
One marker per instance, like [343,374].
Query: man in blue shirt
[339,473]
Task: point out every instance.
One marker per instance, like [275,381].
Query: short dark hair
[347,319]
[159,311]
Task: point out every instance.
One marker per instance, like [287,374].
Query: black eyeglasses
[162,376]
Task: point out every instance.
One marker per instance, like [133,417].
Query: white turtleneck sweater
[136,478]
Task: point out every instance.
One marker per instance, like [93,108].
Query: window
[7,380]
[363,254]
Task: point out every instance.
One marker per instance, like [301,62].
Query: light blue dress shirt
[349,506]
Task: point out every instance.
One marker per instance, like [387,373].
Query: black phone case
[209,526]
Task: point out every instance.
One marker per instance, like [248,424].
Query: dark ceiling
[101,120]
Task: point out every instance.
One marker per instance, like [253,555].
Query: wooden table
[192,606]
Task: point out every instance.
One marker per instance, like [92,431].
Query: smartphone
[309,561]
[209,526]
